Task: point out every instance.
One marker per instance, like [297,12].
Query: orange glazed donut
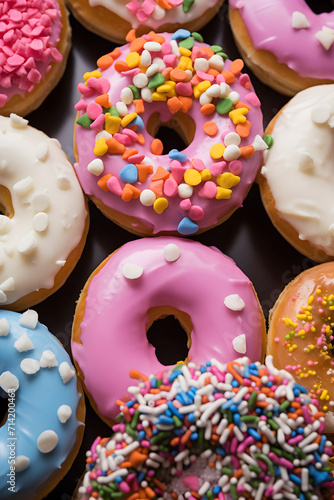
[35,43]
[112,19]
[300,336]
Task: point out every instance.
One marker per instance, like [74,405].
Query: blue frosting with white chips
[41,429]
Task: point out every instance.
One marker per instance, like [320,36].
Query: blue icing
[37,401]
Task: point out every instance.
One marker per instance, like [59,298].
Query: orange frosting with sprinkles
[301,336]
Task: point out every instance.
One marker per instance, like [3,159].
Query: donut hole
[320,6]
[3,407]
[176,133]
[168,331]
[6,205]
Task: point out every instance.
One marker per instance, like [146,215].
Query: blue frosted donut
[43,430]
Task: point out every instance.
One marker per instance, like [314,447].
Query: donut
[296,184]
[112,19]
[237,431]
[212,299]
[35,43]
[287,45]
[300,336]
[46,410]
[44,221]
[124,168]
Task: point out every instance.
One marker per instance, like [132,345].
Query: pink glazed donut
[149,279]
[177,80]
[285,43]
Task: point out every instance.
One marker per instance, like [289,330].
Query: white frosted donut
[297,181]
[44,223]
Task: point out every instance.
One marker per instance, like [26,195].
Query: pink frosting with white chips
[29,31]
[269,23]
[207,210]
[202,282]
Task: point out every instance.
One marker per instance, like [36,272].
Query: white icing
[41,180]
[304,196]
[174,15]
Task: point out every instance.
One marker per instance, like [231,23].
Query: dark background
[248,236]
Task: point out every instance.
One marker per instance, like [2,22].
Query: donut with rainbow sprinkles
[238,431]
[180,82]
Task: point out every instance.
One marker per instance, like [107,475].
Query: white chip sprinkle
[8,285]
[305,162]
[185,190]
[63,182]
[29,366]
[48,359]
[96,167]
[17,121]
[64,412]
[325,37]
[239,343]
[232,138]
[321,113]
[9,381]
[42,151]
[259,144]
[147,197]
[29,319]
[232,152]
[132,271]
[5,224]
[66,372]
[3,297]
[40,222]
[40,202]
[24,343]
[27,244]
[47,441]
[4,327]
[23,186]
[21,463]
[152,46]
[171,252]
[234,302]
[299,20]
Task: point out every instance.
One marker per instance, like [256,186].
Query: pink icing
[113,329]
[203,195]
[269,23]
[29,31]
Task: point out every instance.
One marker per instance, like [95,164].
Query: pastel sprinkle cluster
[177,74]
[213,432]
[26,42]
[156,9]
[312,331]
